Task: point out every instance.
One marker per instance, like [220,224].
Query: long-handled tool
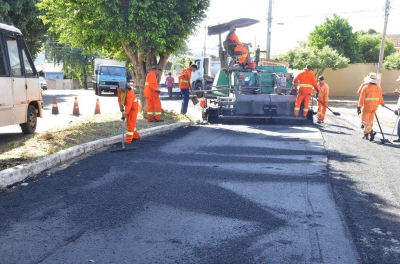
[335,113]
[389,108]
[395,124]
[123,137]
[383,140]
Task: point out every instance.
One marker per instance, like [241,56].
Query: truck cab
[20,91]
[203,78]
[108,73]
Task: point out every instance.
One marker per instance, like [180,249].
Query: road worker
[306,81]
[152,94]
[127,99]
[370,98]
[184,81]
[240,47]
[323,99]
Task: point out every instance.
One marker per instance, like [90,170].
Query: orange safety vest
[323,95]
[370,97]
[151,85]
[307,82]
[185,78]
[127,100]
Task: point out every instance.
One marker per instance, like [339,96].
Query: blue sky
[299,18]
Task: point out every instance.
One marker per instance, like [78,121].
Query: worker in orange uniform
[370,98]
[152,94]
[127,98]
[323,99]
[361,86]
[306,81]
[240,47]
[184,80]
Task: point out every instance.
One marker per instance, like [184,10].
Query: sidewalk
[388,98]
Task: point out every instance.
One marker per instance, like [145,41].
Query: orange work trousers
[321,111]
[367,119]
[131,118]
[300,97]
[154,110]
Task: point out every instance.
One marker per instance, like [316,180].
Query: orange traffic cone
[97,108]
[76,108]
[54,109]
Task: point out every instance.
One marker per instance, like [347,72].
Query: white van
[20,92]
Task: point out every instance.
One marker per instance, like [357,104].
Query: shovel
[383,140]
[335,113]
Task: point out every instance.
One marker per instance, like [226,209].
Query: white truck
[107,74]
[20,91]
[203,78]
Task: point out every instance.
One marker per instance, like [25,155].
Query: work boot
[365,136]
[373,133]
[397,140]
[362,126]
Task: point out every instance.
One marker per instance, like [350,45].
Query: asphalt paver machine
[258,91]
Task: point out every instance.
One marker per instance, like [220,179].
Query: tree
[337,34]
[147,31]
[370,46]
[392,62]
[24,15]
[320,59]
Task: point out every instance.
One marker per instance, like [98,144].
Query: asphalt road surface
[217,194]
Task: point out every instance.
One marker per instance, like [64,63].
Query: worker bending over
[370,98]
[306,81]
[127,98]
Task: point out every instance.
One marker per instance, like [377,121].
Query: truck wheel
[99,91]
[95,89]
[198,86]
[30,126]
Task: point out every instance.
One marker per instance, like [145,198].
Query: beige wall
[345,82]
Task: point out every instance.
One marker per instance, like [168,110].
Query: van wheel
[30,126]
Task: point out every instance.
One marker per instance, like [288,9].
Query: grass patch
[33,147]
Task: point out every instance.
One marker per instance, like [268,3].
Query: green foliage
[24,15]
[320,59]
[182,61]
[370,46]
[392,62]
[337,34]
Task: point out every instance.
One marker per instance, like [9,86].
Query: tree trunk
[141,66]
[85,79]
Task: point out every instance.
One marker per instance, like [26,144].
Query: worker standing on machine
[323,99]
[306,81]
[240,47]
[127,99]
[184,80]
[152,94]
[370,98]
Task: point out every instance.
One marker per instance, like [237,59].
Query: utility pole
[205,36]
[269,30]
[387,8]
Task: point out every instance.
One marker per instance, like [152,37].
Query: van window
[12,46]
[2,68]
[28,66]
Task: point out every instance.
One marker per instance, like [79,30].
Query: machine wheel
[213,115]
[198,86]
[30,126]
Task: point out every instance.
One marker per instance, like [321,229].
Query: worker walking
[323,99]
[184,81]
[170,83]
[152,94]
[240,47]
[306,81]
[127,99]
[396,112]
[370,98]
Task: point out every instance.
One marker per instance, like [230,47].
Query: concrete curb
[21,172]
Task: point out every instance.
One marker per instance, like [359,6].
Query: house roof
[395,38]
